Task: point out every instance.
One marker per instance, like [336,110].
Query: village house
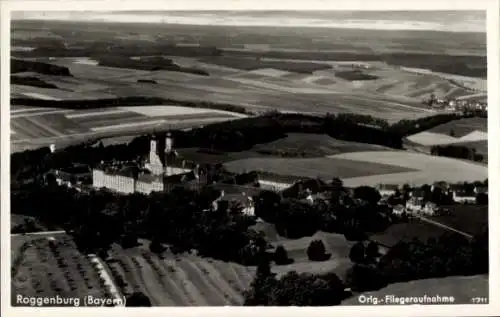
[415,204]
[74,176]
[386,190]
[398,210]
[237,195]
[464,197]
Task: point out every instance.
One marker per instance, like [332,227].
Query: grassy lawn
[467,218]
[414,229]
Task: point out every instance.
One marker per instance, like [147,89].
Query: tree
[262,284]
[295,289]
[267,205]
[357,253]
[156,247]
[482,199]
[281,256]
[138,299]
[316,251]
[372,250]
[368,194]
[362,278]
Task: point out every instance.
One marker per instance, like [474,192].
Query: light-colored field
[430,168]
[42,270]
[39,96]
[461,288]
[477,84]
[174,111]
[271,72]
[430,138]
[36,126]
[86,61]
[463,130]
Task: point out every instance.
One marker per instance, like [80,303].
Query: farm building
[239,195]
[73,176]
[464,197]
[387,189]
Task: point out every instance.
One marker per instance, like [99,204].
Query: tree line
[184,219]
[457,151]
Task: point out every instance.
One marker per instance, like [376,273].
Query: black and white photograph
[248,158]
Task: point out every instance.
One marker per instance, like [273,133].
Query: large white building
[157,174]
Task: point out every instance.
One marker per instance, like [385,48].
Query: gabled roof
[392,187]
[418,193]
[149,178]
[464,194]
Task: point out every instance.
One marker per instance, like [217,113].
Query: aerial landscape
[215,158]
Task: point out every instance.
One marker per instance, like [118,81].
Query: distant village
[458,105]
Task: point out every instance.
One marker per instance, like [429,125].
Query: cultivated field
[50,265]
[469,132]
[429,168]
[189,280]
[322,167]
[359,167]
[462,288]
[183,280]
[265,88]
[31,126]
[313,145]
[454,132]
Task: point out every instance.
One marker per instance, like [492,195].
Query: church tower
[169,144]
[155,163]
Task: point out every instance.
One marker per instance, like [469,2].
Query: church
[161,170]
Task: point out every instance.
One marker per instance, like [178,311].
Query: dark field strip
[251,64]
[470,219]
[136,118]
[325,168]
[406,232]
[27,130]
[462,127]
[60,123]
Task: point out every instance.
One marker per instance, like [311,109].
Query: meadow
[429,168]
[189,280]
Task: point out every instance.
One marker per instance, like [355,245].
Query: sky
[447,21]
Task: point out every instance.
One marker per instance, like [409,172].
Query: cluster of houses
[416,204]
[456,104]
[159,173]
